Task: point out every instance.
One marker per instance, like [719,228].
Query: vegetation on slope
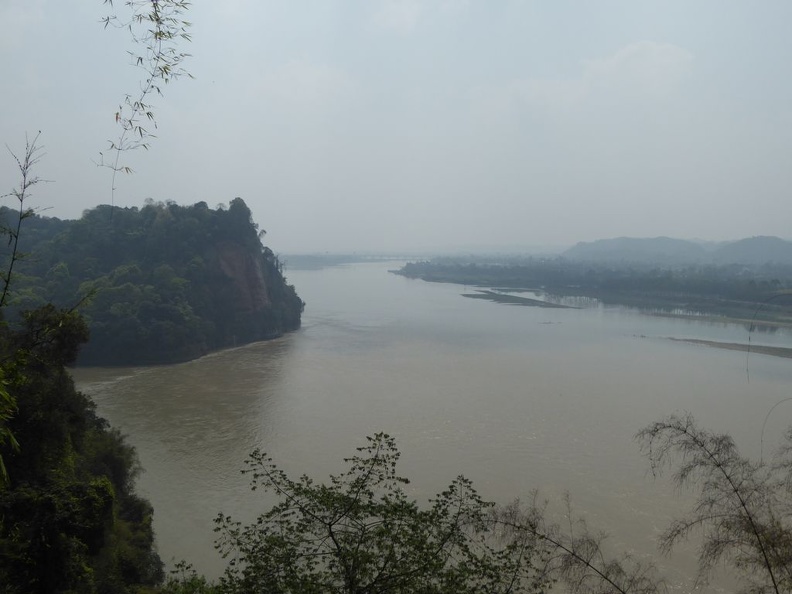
[70,520]
[159,284]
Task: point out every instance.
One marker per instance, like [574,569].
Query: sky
[419,125]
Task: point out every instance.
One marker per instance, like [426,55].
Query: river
[515,398]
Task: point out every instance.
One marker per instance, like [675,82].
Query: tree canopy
[70,520]
[360,532]
[158,284]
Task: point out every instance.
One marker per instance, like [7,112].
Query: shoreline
[178,360]
[711,310]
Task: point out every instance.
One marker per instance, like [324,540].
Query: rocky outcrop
[246,273]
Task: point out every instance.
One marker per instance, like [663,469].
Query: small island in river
[510,299]
[773,351]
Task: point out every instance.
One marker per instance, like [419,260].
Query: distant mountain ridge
[755,251]
[751,251]
[643,250]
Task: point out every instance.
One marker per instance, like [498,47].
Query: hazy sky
[413,124]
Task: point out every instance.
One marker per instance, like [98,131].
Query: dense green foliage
[70,520]
[734,290]
[361,533]
[158,284]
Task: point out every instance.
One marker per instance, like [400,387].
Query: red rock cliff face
[245,272]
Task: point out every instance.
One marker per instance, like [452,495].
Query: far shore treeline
[755,293]
[158,284]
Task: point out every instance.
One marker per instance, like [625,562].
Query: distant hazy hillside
[753,251]
[657,250]
[159,284]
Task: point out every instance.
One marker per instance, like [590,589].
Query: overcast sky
[381,125]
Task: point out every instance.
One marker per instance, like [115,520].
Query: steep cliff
[159,284]
[247,275]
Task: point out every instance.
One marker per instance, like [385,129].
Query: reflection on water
[516,398]
[761,328]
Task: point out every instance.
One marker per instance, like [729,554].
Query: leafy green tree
[156,28]
[183,579]
[361,533]
[741,516]
[743,510]
[70,520]
[7,410]
[25,163]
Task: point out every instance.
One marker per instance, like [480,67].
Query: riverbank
[720,294]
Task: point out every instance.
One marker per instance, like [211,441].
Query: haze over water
[515,398]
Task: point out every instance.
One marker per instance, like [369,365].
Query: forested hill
[158,284]
[665,251]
